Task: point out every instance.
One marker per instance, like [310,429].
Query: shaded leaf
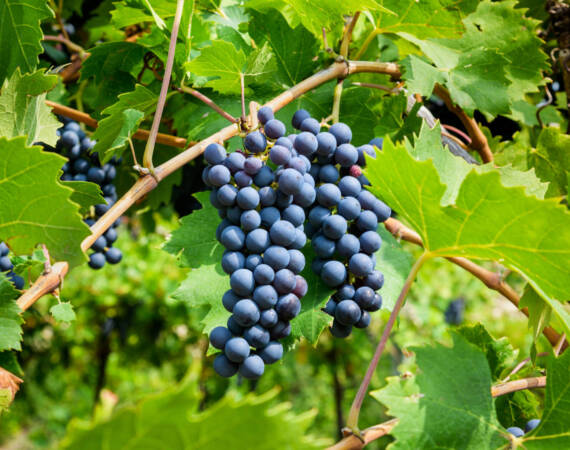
[10,320]
[63,312]
[85,194]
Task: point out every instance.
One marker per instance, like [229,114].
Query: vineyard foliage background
[120,357]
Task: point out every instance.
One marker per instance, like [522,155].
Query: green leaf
[114,66]
[485,220]
[448,404]
[29,266]
[85,194]
[499,352]
[23,111]
[539,313]
[115,131]
[21,35]
[10,319]
[553,431]
[9,361]
[495,64]
[315,14]
[225,64]
[395,264]
[140,11]
[551,160]
[294,49]
[170,420]
[421,77]
[63,312]
[43,212]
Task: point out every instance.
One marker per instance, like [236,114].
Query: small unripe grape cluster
[7,266]
[530,425]
[84,165]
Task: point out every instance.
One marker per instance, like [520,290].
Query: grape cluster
[261,194]
[530,425]
[83,165]
[342,222]
[7,266]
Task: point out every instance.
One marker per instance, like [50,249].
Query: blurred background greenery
[131,339]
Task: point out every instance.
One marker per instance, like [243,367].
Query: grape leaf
[10,319]
[421,76]
[551,160]
[226,64]
[85,194]
[42,212]
[9,361]
[294,49]
[448,404]
[431,18]
[124,118]
[171,420]
[485,220]
[315,14]
[553,431]
[499,55]
[23,111]
[499,352]
[21,35]
[141,11]
[63,312]
[395,263]
[113,65]
[539,314]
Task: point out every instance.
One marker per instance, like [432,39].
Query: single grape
[219,336]
[234,327]
[242,282]
[367,221]
[4,250]
[339,330]
[345,292]
[360,265]
[363,150]
[298,118]
[243,179]
[515,431]
[282,233]
[267,196]
[328,174]
[326,144]
[257,240]
[219,175]
[232,237]
[365,297]
[271,353]
[285,142]
[318,214]
[265,114]
[333,273]
[265,296]
[274,129]
[263,274]
[236,349]
[256,336]
[280,331]
[375,280]
[252,368]
[5,264]
[95,175]
[215,154]
[252,165]
[276,257]
[306,197]
[349,186]
[349,208]
[268,318]
[247,198]
[328,195]
[226,195]
[233,214]
[301,287]
[255,142]
[229,299]
[294,214]
[96,260]
[306,143]
[269,216]
[279,155]
[17,280]
[346,155]
[323,247]
[334,226]
[311,125]
[232,261]
[264,177]
[291,181]
[348,245]
[377,142]
[330,307]
[235,162]
[341,132]
[347,312]
[370,242]
[69,139]
[250,220]
[288,306]
[284,281]
[531,425]
[382,211]
[224,367]
[364,320]
[296,261]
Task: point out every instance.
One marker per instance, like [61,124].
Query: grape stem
[352,422]
[71,46]
[352,442]
[149,149]
[207,101]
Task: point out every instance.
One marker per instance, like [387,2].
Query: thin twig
[335,115]
[352,442]
[325,43]
[149,149]
[345,44]
[78,116]
[478,138]
[69,44]
[352,422]
[558,346]
[458,131]
[47,262]
[520,365]
[207,101]
[242,87]
[394,90]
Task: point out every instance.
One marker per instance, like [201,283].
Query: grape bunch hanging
[270,195]
[84,165]
[6,266]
